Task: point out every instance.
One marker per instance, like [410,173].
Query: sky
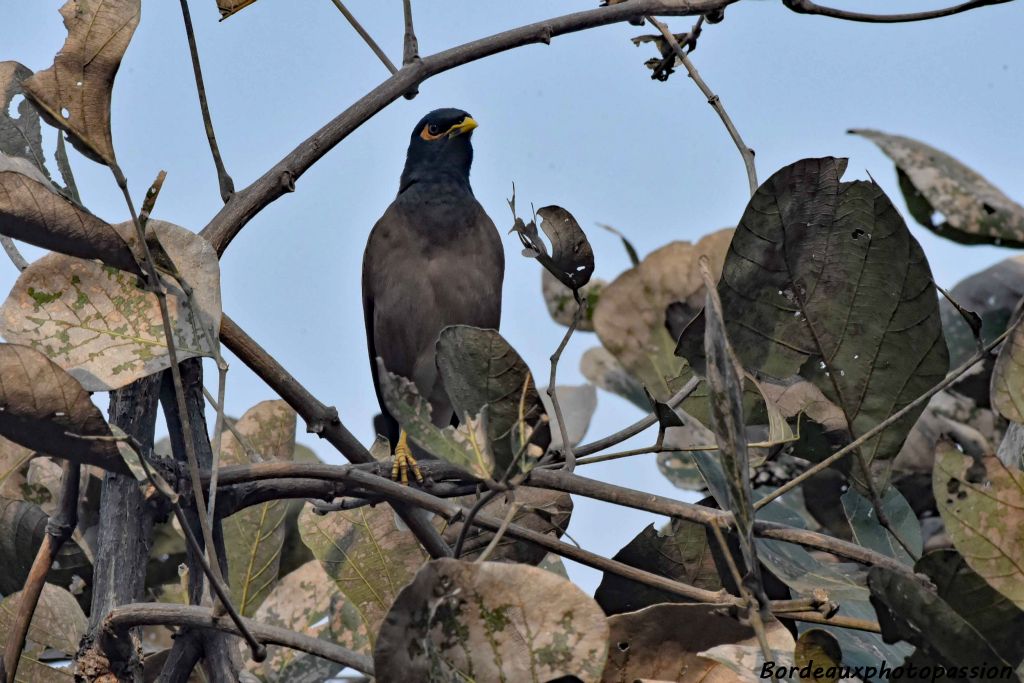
[577,123]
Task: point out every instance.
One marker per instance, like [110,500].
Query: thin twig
[227,185]
[953,376]
[470,516]
[714,100]
[58,530]
[366,36]
[640,425]
[151,196]
[156,286]
[410,46]
[567,451]
[512,510]
[753,609]
[808,7]
[125,617]
[837,620]
[250,452]
[218,429]
[12,250]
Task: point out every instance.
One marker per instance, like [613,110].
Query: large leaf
[254,536]
[481,371]
[909,609]
[58,622]
[1007,387]
[74,94]
[367,555]
[630,316]
[602,370]
[578,404]
[31,210]
[867,531]
[46,410]
[993,294]
[666,642]
[818,649]
[972,209]
[304,601]
[467,446]
[982,505]
[491,621]
[824,280]
[991,613]
[22,530]
[679,551]
[97,324]
[21,136]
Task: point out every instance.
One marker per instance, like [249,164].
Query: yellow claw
[404,460]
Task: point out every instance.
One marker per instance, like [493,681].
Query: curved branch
[808,7]
[280,179]
[121,619]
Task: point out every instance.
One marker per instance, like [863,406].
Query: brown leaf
[19,137]
[41,405]
[1007,388]
[22,530]
[14,465]
[229,7]
[58,623]
[74,94]
[490,621]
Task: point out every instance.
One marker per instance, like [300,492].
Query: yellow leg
[404,461]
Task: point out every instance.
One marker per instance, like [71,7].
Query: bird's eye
[433,129]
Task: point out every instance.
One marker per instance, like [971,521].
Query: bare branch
[58,530]
[567,452]
[410,46]
[280,179]
[714,100]
[366,36]
[122,618]
[227,185]
[808,7]
[12,250]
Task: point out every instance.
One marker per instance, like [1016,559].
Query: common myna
[433,259]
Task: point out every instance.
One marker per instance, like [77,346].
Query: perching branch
[125,617]
[280,179]
[58,530]
[227,185]
[366,36]
[567,452]
[410,46]
[953,376]
[808,7]
[714,100]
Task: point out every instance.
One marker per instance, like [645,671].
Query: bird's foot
[404,461]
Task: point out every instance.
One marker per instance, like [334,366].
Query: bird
[432,260]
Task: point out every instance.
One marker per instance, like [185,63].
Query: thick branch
[246,203]
[808,7]
[120,619]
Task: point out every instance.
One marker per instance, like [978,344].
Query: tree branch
[125,617]
[714,100]
[58,530]
[227,185]
[410,46]
[366,36]
[12,251]
[567,452]
[808,7]
[280,179]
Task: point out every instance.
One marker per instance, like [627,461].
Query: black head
[440,148]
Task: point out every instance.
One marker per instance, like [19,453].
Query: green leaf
[869,533]
[824,280]
[491,621]
[982,505]
[973,210]
[630,315]
[481,371]
[467,447]
[96,323]
[58,622]
[369,558]
[254,536]
[679,551]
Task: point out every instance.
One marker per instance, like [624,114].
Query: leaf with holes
[669,642]
[491,621]
[571,260]
[254,536]
[678,551]
[74,94]
[823,279]
[982,505]
[22,136]
[369,558]
[43,408]
[481,371]
[96,323]
[971,210]
[58,623]
[467,446]
[630,316]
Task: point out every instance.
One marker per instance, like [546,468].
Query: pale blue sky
[577,123]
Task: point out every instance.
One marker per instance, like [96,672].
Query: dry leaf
[58,623]
[19,137]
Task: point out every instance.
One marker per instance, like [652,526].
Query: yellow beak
[467,125]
